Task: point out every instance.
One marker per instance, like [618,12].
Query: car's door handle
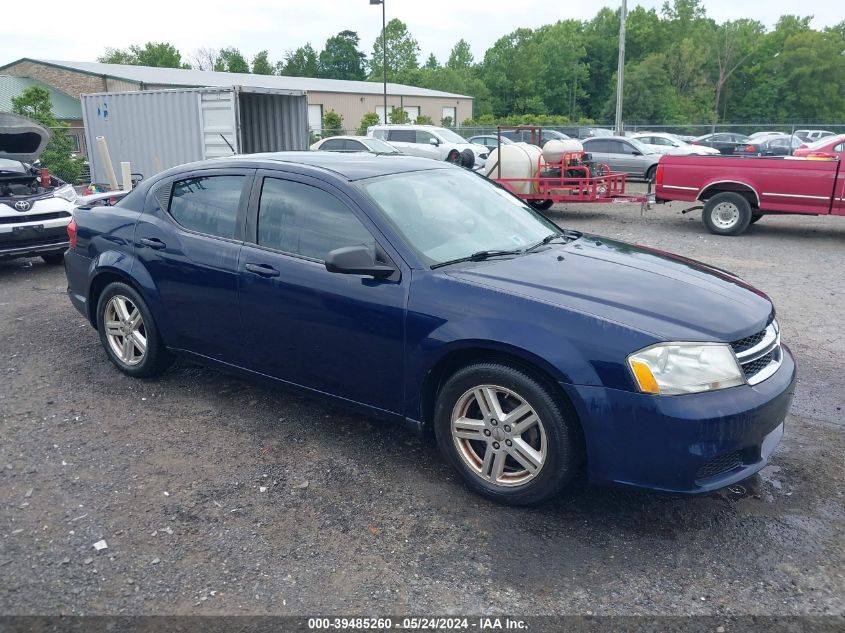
[262,269]
[153,243]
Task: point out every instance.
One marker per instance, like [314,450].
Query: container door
[218,122]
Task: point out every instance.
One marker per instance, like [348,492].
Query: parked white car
[354,144]
[664,143]
[430,141]
[33,215]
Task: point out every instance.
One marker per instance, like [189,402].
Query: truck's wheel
[727,213]
[756,217]
[541,205]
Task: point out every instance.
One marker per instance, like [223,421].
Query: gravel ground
[216,496]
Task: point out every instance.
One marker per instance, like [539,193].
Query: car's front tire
[128,332]
[506,434]
[53,259]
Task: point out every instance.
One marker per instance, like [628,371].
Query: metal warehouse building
[351,99]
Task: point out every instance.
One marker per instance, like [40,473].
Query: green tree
[261,64]
[160,54]
[341,59]
[649,94]
[398,115]
[461,56]
[230,60]
[34,103]
[402,50]
[447,121]
[368,120]
[424,119]
[332,124]
[302,62]
[431,63]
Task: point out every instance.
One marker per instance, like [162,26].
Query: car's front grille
[748,342]
[34,217]
[720,464]
[760,354]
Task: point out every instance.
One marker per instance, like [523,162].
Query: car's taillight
[71,232]
[803,146]
[749,148]
[658,177]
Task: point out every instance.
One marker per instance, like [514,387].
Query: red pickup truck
[737,191]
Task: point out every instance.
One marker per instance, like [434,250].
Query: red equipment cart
[574,179]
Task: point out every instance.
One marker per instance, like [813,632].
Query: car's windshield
[447,214]
[381,147]
[449,135]
[12,165]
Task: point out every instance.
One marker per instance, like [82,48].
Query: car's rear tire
[649,175]
[128,332]
[467,159]
[506,434]
[727,213]
[53,259]
[541,205]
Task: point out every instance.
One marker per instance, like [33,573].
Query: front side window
[207,204]
[424,137]
[304,220]
[446,214]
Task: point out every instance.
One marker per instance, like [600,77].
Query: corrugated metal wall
[158,129]
[272,123]
[153,130]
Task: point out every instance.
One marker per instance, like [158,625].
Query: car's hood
[21,139]
[666,295]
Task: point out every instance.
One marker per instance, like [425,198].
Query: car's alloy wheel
[505,431]
[129,333]
[125,330]
[499,435]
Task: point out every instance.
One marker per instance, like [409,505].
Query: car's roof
[351,166]
[606,138]
[349,136]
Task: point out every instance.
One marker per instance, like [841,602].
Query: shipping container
[158,129]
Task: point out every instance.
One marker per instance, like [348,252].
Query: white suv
[33,214]
[430,141]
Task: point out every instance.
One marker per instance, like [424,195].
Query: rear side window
[303,220]
[403,136]
[334,145]
[207,204]
[600,147]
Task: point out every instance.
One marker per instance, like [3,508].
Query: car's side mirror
[356,260]
[636,153]
[433,141]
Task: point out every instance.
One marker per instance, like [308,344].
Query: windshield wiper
[480,256]
[546,240]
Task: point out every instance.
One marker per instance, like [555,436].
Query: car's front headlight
[65,192]
[676,368]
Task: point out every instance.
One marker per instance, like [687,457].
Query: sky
[280,25]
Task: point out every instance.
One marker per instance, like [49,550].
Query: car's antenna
[225,140]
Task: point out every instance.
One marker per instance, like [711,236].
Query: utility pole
[383,51]
[620,71]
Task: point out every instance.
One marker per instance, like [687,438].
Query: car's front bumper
[692,443]
[34,232]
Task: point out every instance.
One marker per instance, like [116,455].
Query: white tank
[554,150]
[518,160]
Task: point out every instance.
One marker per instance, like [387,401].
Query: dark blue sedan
[416,291]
